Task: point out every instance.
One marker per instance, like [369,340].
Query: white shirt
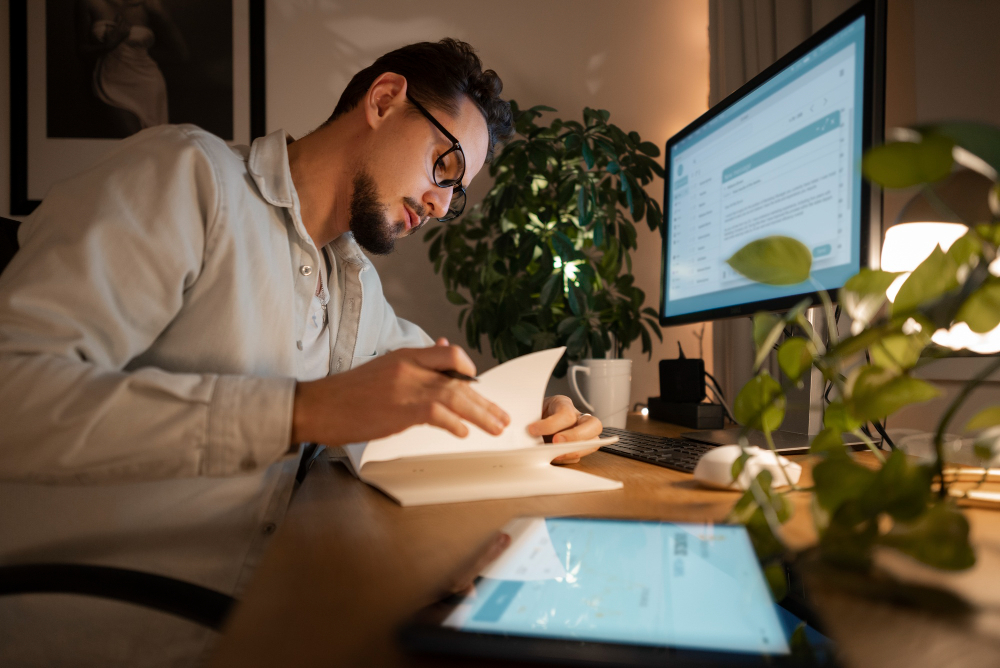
[151,331]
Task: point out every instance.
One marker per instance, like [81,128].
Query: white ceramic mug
[606,389]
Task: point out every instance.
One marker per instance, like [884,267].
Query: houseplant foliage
[902,504]
[545,259]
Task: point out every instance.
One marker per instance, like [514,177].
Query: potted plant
[545,258]
[901,504]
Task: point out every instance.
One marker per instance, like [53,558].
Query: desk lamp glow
[918,230]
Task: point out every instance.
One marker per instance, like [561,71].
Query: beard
[369,220]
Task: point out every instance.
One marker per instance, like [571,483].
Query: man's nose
[437,200]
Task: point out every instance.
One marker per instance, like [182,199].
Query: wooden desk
[348,566]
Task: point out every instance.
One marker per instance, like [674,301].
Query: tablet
[618,592]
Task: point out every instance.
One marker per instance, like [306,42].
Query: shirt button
[298,344]
[269,528]
[305,270]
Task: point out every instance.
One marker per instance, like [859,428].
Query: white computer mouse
[715,468]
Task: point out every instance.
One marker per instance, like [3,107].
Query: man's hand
[563,423]
[392,392]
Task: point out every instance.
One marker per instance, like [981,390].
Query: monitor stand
[803,413]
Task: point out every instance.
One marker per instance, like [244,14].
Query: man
[183,315]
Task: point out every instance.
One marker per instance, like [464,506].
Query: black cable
[721,396]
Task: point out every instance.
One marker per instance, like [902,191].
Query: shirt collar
[268,166]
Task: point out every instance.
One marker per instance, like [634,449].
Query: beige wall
[646,61]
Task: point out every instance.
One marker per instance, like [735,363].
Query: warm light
[644,411]
[961,337]
[906,246]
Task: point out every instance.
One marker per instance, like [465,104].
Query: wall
[646,61]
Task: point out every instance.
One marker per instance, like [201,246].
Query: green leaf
[981,311]
[767,329]
[905,164]
[564,246]
[847,542]
[825,441]
[838,478]
[588,154]
[577,300]
[836,418]
[980,139]
[899,352]
[650,149]
[567,325]
[456,298]
[864,293]
[878,392]
[773,260]
[932,278]
[760,404]
[939,538]
[965,248]
[576,341]
[795,357]
[988,417]
[552,287]
[901,489]
[739,464]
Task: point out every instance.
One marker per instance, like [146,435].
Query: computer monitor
[780,156]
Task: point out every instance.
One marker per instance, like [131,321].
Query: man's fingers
[586,428]
[443,358]
[459,398]
[440,416]
[574,457]
[563,419]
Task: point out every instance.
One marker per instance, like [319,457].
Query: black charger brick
[682,381]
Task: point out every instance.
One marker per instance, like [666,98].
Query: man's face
[393,187]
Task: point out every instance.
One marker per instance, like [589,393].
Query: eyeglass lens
[457,204]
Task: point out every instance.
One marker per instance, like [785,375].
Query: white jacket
[150,331]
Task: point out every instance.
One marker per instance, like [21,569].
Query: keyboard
[674,453]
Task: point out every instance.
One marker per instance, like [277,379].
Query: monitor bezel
[873,114]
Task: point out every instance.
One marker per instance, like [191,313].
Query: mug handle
[576,390]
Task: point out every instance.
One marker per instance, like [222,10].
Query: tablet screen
[696,586]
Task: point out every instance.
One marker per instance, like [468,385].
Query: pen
[457,375]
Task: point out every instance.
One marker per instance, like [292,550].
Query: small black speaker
[682,381]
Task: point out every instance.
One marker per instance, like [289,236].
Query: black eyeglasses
[449,168]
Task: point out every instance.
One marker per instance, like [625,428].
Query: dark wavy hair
[437,74]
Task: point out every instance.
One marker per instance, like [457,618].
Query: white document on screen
[424,465]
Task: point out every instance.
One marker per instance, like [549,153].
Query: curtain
[744,37]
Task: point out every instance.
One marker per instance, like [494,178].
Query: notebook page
[517,386]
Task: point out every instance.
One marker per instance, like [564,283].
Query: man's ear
[387,95]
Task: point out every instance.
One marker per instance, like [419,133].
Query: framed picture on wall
[85,74]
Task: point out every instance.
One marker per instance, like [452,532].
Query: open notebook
[424,465]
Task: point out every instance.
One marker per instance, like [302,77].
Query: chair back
[8,241]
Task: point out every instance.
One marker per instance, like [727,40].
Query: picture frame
[70,106]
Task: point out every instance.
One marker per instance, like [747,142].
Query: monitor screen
[780,157]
